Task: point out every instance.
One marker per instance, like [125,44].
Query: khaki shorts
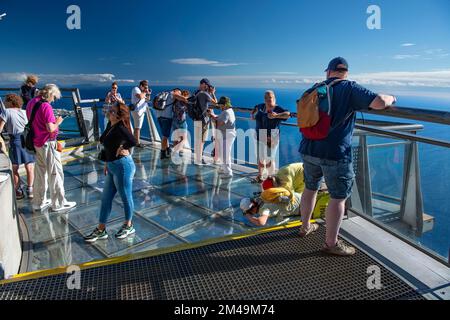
[138,119]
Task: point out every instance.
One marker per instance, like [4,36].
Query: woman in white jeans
[48,169]
[226,134]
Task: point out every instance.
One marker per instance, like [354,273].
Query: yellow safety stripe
[148,254]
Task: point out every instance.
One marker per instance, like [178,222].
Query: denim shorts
[339,175]
[166,126]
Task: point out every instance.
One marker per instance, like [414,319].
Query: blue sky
[235,43]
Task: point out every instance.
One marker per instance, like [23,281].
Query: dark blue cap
[337,63]
[205,81]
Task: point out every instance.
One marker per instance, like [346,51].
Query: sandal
[312,228]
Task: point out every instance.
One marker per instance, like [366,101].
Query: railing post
[154,135]
[96,122]
[361,199]
[411,209]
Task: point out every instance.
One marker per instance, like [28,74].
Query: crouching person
[276,203]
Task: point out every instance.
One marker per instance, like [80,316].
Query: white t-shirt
[15,119]
[229,119]
[141,104]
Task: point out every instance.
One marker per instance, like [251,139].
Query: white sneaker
[65,207]
[43,206]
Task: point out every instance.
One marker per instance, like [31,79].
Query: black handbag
[27,137]
[102,154]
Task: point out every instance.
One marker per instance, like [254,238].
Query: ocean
[386,163]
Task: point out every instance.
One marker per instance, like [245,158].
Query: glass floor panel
[174,204]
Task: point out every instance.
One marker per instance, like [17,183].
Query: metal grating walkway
[275,265]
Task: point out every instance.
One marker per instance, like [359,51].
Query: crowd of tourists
[326,115]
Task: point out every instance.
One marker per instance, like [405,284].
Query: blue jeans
[119,179]
[338,174]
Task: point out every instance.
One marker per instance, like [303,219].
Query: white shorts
[138,119]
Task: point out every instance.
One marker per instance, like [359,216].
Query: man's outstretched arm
[382,101]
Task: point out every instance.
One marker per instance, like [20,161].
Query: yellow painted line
[79,147]
[148,254]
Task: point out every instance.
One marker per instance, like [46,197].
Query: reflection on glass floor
[174,204]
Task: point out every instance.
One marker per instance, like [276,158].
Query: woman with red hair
[117,140]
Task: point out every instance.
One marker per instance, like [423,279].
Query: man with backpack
[326,116]
[199,111]
[163,105]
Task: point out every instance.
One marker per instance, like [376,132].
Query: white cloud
[429,79]
[434,51]
[201,61]
[408,44]
[193,61]
[406,56]
[64,79]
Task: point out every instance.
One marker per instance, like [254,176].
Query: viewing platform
[193,242]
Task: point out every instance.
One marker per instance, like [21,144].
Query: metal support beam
[411,211]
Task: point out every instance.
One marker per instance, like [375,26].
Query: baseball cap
[246,204]
[205,81]
[337,63]
[225,101]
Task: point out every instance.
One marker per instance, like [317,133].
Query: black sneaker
[96,235]
[125,231]
[163,155]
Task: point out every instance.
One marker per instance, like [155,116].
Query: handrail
[405,136]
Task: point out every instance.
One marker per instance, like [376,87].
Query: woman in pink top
[49,172]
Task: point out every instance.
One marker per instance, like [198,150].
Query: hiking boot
[340,249]
[97,234]
[312,228]
[125,231]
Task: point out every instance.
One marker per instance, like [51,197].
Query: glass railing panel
[408,184]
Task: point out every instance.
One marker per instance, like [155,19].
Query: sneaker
[42,206]
[30,192]
[97,234]
[163,155]
[340,249]
[19,194]
[197,163]
[66,206]
[125,231]
[312,228]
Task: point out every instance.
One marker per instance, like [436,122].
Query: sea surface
[386,162]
